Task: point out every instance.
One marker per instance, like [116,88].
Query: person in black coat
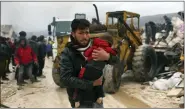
[72,60]
[41,55]
[168,25]
[34,45]
[4,53]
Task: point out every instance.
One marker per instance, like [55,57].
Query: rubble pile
[175,36]
[172,81]
[166,84]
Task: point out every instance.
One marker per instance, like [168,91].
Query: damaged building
[8,31]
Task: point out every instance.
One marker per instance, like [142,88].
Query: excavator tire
[144,63]
[112,76]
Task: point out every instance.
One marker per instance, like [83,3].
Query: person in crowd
[3,57]
[34,45]
[41,55]
[24,59]
[49,48]
[22,34]
[168,25]
[11,49]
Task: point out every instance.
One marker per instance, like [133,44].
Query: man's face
[82,36]
[22,42]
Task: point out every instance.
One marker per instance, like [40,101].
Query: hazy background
[35,16]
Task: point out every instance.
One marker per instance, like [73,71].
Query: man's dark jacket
[4,50]
[41,50]
[70,66]
[34,45]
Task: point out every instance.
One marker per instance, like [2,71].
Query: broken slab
[175,92]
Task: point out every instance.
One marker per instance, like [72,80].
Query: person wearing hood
[34,45]
[24,58]
[41,55]
[72,59]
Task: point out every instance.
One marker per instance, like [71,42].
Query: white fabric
[165,84]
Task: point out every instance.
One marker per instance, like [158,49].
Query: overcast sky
[35,16]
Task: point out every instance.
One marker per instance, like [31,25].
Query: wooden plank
[180,84]
[174,92]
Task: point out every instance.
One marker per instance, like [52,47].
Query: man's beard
[81,45]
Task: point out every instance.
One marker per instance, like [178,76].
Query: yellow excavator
[123,26]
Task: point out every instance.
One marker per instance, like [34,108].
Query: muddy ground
[46,94]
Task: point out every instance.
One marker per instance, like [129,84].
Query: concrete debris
[175,36]
[175,92]
[166,84]
[165,75]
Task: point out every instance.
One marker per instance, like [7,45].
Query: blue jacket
[48,47]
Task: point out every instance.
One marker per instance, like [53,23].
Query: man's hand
[17,66]
[100,55]
[36,63]
[98,82]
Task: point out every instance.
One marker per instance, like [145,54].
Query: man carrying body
[72,61]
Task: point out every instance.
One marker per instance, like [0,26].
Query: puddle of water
[128,101]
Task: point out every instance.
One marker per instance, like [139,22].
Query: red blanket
[98,43]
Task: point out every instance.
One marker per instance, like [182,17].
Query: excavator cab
[124,24]
[114,19]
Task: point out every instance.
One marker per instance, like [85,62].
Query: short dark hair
[79,24]
[34,38]
[41,38]
[22,33]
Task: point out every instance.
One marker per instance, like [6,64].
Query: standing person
[49,49]
[41,55]
[168,25]
[148,31]
[34,45]
[11,49]
[154,31]
[3,56]
[22,34]
[24,58]
[72,61]
[93,69]
[181,14]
